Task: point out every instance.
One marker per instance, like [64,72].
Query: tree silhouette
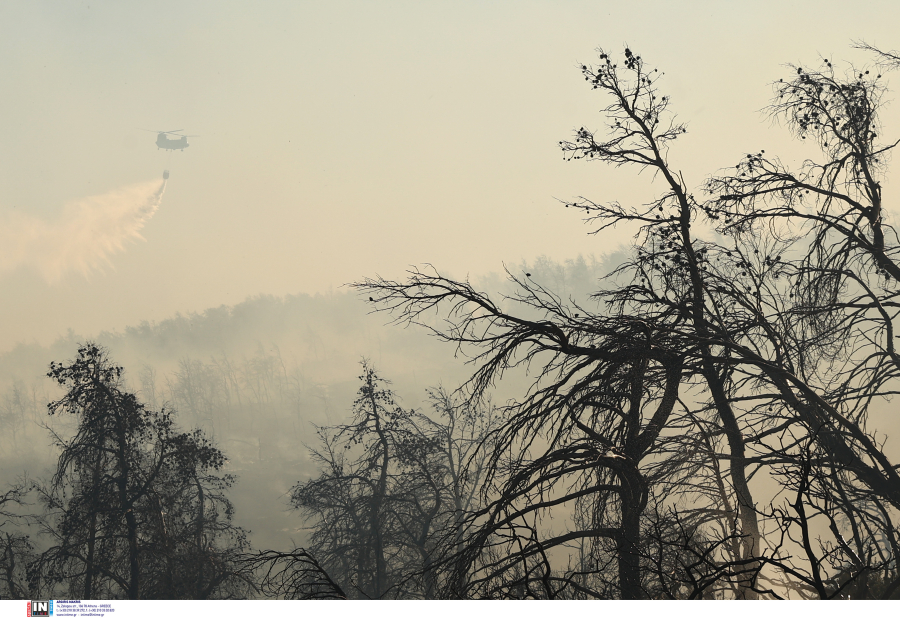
[349,498]
[18,578]
[773,334]
[134,509]
[393,486]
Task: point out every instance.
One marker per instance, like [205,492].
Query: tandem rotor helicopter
[163,140]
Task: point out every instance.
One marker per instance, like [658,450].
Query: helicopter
[164,141]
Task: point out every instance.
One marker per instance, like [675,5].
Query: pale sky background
[343,139]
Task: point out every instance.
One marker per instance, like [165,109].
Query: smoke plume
[85,235]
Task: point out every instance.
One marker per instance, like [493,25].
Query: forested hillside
[256,377]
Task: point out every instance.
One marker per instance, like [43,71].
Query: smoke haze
[85,235]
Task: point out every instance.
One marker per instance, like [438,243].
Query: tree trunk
[628,549]
[750,536]
[92,526]
[200,527]
[134,579]
[379,584]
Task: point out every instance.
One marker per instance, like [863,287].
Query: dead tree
[784,329]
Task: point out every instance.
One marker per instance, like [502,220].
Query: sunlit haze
[343,139]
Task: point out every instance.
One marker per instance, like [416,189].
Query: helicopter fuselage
[162,141]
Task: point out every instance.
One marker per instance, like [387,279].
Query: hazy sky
[344,139]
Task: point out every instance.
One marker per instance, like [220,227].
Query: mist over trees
[255,378]
[698,416]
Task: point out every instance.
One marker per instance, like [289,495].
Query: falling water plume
[83,237]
